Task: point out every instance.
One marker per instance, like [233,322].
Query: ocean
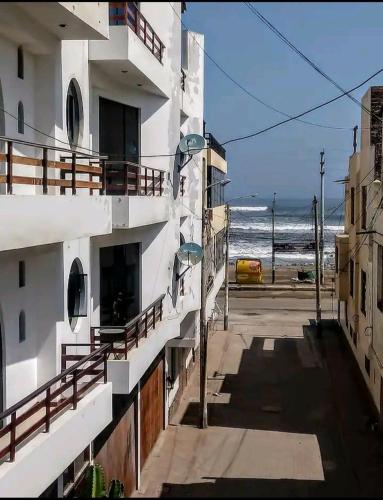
[251,229]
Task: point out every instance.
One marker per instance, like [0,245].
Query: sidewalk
[285,416]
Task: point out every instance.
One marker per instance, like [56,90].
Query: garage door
[152,409]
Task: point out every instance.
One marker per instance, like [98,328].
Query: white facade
[48,232]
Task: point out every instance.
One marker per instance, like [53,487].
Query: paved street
[287,415]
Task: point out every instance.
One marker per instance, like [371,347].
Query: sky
[344,39]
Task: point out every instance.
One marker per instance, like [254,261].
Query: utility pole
[354,143]
[226,313]
[322,217]
[317,278]
[203,327]
[272,242]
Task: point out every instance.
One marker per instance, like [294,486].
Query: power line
[250,94]
[304,112]
[303,56]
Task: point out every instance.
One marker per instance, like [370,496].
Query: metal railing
[127,13]
[43,166]
[134,331]
[215,145]
[128,178]
[55,400]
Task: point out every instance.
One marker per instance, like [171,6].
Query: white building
[94,97]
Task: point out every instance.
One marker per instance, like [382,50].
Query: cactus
[94,486]
[116,489]
[95,482]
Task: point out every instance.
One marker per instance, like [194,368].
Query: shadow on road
[305,386]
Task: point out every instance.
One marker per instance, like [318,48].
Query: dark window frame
[22,327]
[73,113]
[364,207]
[336,259]
[216,193]
[20,62]
[379,287]
[21,273]
[77,292]
[363,291]
[20,118]
[352,215]
[351,284]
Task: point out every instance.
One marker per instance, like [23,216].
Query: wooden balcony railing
[44,171]
[131,179]
[135,330]
[127,13]
[49,401]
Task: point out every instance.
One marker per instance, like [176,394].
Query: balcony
[137,194]
[216,154]
[34,189]
[38,25]
[37,430]
[132,346]
[133,47]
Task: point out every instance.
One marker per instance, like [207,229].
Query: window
[352,205]
[367,365]
[364,207]
[363,285]
[22,335]
[346,313]
[215,194]
[379,290]
[74,473]
[21,273]
[20,62]
[77,300]
[20,118]
[351,277]
[73,112]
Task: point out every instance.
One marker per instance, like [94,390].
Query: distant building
[359,251]
[94,98]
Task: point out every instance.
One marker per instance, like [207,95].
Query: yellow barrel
[248,271]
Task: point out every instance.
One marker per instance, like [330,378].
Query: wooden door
[152,410]
[117,454]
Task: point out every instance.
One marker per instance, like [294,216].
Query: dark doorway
[119,283]
[119,139]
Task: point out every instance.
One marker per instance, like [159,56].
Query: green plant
[94,485]
[116,489]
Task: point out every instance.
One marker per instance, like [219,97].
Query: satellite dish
[190,254]
[192,144]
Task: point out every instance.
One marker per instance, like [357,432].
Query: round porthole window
[76,293]
[74,113]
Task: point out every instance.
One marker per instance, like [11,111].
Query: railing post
[153,183]
[126,180]
[146,324]
[136,333]
[75,375]
[45,170]
[92,338]
[146,181]
[10,167]
[161,310]
[48,410]
[161,181]
[154,316]
[105,367]
[12,442]
[90,180]
[73,173]
[103,178]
